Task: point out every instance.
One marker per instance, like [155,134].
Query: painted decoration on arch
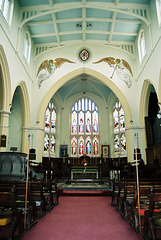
[120,66]
[48,67]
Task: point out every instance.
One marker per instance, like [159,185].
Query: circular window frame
[82,56]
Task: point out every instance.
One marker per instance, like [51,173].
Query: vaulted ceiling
[55,23]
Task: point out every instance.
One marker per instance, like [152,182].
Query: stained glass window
[84,127]
[50,130]
[119,130]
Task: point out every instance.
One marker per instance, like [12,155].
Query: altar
[85,172]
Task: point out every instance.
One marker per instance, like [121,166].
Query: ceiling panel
[56,22]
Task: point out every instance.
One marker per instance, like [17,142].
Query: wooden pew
[125,194]
[37,194]
[142,206]
[20,197]
[11,218]
[152,220]
[55,192]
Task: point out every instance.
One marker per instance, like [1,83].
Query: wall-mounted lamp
[131,122]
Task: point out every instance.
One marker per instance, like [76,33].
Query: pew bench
[38,196]
[20,198]
[11,218]
[152,219]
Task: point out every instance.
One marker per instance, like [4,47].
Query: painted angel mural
[48,67]
[119,65]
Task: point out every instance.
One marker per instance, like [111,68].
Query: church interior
[80,112]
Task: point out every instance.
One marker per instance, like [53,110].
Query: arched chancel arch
[65,79]
[25,109]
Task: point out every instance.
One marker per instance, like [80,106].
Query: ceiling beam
[80,20]
[134,10]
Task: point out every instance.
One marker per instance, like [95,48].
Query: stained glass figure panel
[53,122]
[74,123]
[95,146]
[116,120]
[122,119]
[81,122]
[52,146]
[46,145]
[47,120]
[116,144]
[95,122]
[88,146]
[88,122]
[74,146]
[123,143]
[81,145]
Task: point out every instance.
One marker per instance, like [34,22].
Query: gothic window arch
[119,130]
[50,130]
[27,47]
[84,128]
[6,8]
[141,46]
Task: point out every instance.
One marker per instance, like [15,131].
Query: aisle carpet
[85,217]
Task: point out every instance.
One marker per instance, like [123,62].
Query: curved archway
[25,113]
[5,94]
[5,82]
[68,77]
[143,112]
[144,100]
[92,73]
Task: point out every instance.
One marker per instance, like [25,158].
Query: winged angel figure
[119,65]
[48,67]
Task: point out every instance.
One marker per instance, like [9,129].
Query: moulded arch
[76,73]
[25,104]
[144,100]
[5,81]
[143,112]
[25,109]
